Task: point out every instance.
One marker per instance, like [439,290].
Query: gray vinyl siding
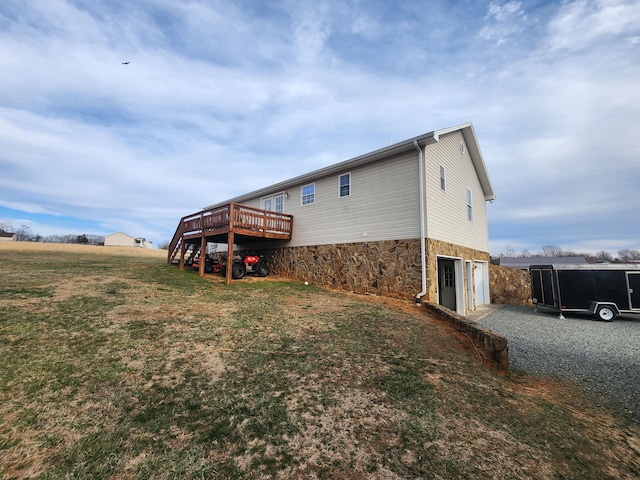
[384,203]
[447,210]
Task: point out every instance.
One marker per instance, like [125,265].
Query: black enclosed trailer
[605,290]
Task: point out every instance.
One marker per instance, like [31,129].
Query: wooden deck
[231,224]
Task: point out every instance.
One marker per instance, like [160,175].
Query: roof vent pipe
[423,190]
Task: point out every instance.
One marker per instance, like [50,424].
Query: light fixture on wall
[286,194]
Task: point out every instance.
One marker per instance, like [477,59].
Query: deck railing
[240,219]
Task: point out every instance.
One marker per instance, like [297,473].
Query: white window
[442,178]
[469,206]
[309,194]
[344,185]
[273,203]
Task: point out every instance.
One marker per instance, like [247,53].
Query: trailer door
[548,292]
[633,279]
[536,286]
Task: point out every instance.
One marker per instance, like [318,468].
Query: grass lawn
[116,365]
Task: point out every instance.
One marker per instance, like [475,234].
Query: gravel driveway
[604,357]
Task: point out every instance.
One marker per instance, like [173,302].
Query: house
[406,221]
[7,237]
[523,263]
[121,239]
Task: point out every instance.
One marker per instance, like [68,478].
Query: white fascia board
[425,139]
[333,169]
[471,140]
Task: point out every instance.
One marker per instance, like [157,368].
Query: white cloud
[583,23]
[218,91]
[502,21]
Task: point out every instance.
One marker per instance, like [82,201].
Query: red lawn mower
[242,265]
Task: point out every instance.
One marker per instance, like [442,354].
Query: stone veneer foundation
[510,285]
[437,248]
[389,268]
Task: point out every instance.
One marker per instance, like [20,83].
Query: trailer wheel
[606,313]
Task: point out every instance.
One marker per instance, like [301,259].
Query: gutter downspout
[422,225]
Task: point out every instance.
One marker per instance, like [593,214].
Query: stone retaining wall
[493,347]
[509,285]
[389,268]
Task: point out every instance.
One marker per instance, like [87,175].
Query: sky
[223,97]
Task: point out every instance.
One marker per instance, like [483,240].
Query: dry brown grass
[119,366]
[21,247]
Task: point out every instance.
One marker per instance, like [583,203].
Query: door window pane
[279,200]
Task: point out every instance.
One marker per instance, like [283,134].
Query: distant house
[407,221]
[523,263]
[121,239]
[7,237]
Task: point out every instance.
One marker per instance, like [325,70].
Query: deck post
[203,248]
[229,256]
[183,250]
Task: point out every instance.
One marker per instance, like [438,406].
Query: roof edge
[409,144]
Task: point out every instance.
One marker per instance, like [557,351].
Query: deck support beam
[229,258]
[203,254]
[183,250]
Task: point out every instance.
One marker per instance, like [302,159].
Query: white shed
[121,239]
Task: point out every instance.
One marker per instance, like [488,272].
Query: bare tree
[604,256]
[628,255]
[6,227]
[23,234]
[509,251]
[551,251]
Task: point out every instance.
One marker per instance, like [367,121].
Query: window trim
[312,194]
[443,178]
[348,185]
[263,202]
[469,205]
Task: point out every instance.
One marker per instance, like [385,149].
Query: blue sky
[224,97]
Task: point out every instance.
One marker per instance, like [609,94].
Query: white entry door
[478,277]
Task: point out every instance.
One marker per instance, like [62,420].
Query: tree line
[24,234]
[624,255]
